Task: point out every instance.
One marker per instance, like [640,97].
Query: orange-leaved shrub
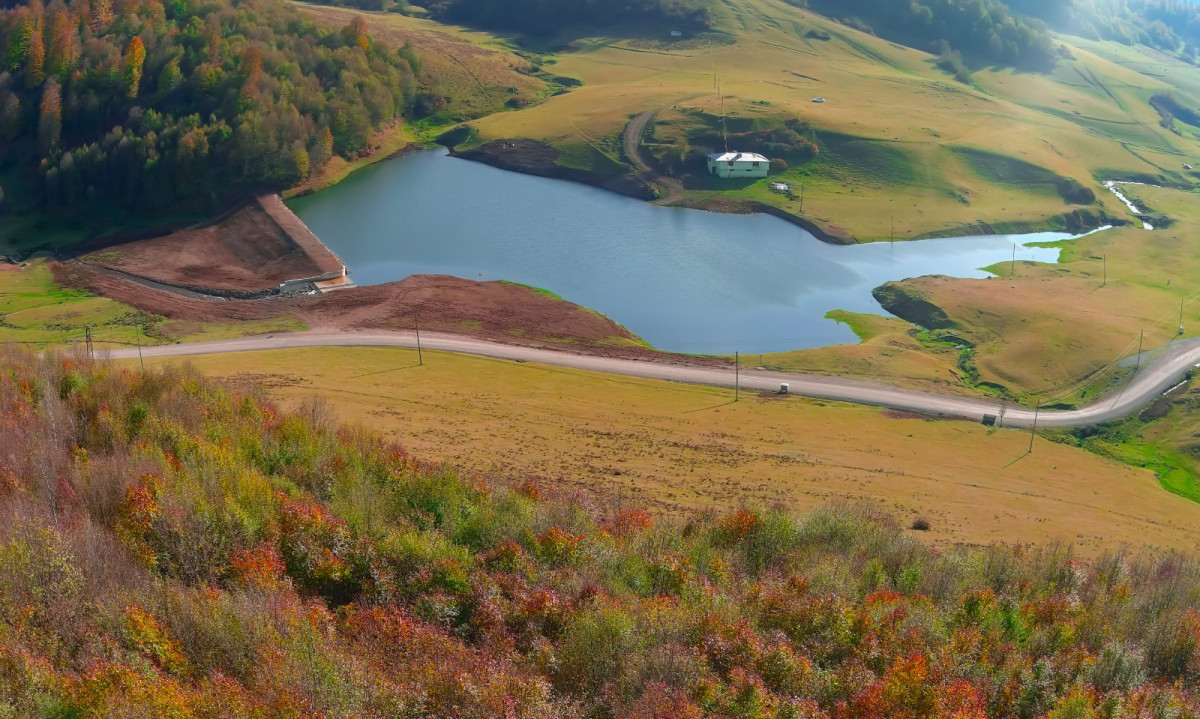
[174,547]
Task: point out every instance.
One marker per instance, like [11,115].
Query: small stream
[684,280]
[1112,186]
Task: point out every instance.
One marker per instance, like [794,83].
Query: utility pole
[1105,259]
[1012,269]
[417,327]
[737,376]
[801,198]
[712,65]
[1181,315]
[1033,432]
[1138,366]
[87,333]
[141,361]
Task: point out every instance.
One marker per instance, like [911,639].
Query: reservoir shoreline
[684,280]
[531,157]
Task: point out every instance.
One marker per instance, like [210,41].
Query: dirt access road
[1151,381]
[634,132]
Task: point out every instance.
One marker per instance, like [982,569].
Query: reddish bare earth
[263,245]
[492,310]
[256,248]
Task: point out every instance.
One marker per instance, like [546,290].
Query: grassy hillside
[36,311]
[678,449]
[690,448]
[1062,334]
[172,548]
[1052,330]
[1089,119]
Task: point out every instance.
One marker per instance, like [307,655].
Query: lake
[684,280]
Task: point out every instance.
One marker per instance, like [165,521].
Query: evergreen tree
[242,96]
[50,116]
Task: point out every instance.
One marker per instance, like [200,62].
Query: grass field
[1169,442]
[889,350]
[678,447]
[36,311]
[33,310]
[901,142]
[1051,333]
[1051,326]
[1088,119]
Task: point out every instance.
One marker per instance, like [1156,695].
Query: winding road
[1150,381]
[632,138]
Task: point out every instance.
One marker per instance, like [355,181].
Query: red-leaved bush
[171,547]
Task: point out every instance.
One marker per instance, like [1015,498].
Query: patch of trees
[542,17]
[951,61]
[1172,25]
[790,140]
[151,106]
[789,143]
[1074,193]
[984,31]
[1169,109]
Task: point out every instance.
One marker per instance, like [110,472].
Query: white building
[738,164]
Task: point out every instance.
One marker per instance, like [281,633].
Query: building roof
[739,156]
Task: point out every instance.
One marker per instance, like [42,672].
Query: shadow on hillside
[694,181]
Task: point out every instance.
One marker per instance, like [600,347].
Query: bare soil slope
[495,310]
[256,248]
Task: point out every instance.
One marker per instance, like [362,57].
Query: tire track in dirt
[634,132]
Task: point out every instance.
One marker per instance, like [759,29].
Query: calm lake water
[684,280]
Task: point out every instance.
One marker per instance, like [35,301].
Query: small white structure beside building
[738,164]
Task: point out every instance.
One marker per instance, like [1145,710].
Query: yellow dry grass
[1049,330]
[677,447]
[1088,117]
[888,352]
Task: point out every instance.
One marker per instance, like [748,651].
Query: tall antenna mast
[724,136]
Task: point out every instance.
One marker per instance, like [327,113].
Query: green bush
[219,557]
